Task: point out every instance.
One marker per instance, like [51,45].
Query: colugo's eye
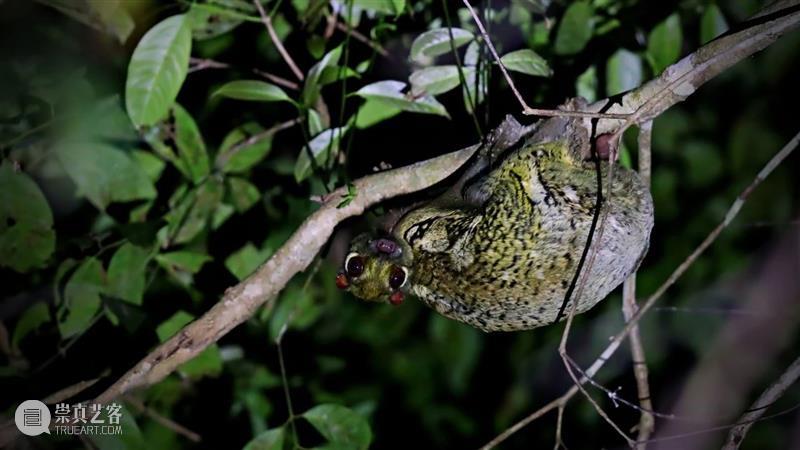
[397,278]
[354,264]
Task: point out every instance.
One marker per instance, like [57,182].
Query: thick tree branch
[241,301]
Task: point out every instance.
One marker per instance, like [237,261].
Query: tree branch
[267,21]
[760,406]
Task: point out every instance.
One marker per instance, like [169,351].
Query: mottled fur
[503,258]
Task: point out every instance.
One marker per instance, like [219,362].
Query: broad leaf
[373,112]
[81,298]
[242,194]
[664,43]
[340,425]
[157,70]
[623,72]
[34,317]
[311,88]
[434,80]
[243,148]
[254,90]
[528,62]
[575,29]
[246,260]
[27,238]
[268,440]
[209,23]
[193,213]
[183,260]
[126,273]
[114,16]
[103,173]
[437,42]
[390,93]
[191,148]
[474,91]
[324,146]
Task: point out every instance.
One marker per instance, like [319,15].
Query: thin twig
[527,110]
[676,274]
[164,421]
[198,64]
[629,306]
[277,80]
[225,156]
[361,38]
[559,425]
[267,21]
[759,407]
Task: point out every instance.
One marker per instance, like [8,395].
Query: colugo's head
[376,269]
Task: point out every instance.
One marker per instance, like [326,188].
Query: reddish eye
[397,277]
[354,265]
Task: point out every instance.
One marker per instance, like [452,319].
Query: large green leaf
[238,153]
[623,72]
[244,261]
[528,62]
[242,194]
[103,173]
[114,16]
[193,212]
[311,87]
[157,70]
[373,112]
[434,80]
[268,440]
[35,316]
[222,17]
[340,425]
[575,29]
[81,298]
[322,147]
[664,43]
[126,273]
[27,238]
[390,92]
[437,42]
[183,260]
[191,148]
[254,90]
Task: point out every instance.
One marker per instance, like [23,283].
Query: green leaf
[434,80]
[575,29]
[712,24]
[321,147]
[664,43]
[210,23]
[81,298]
[183,260]
[243,148]
[246,260]
[157,70]
[27,238]
[333,74]
[268,440]
[103,173]
[194,211]
[242,193]
[191,148]
[34,317]
[473,54]
[311,88]
[295,308]
[528,62]
[623,72]
[474,93]
[315,125]
[378,6]
[151,164]
[373,112]
[340,425]
[126,273]
[208,362]
[254,90]
[437,42]
[389,92]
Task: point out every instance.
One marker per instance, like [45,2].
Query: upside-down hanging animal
[499,250]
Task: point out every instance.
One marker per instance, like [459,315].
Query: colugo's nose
[341,281]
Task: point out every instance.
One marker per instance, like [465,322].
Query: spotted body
[501,255]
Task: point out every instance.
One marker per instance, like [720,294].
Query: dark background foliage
[417,379]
